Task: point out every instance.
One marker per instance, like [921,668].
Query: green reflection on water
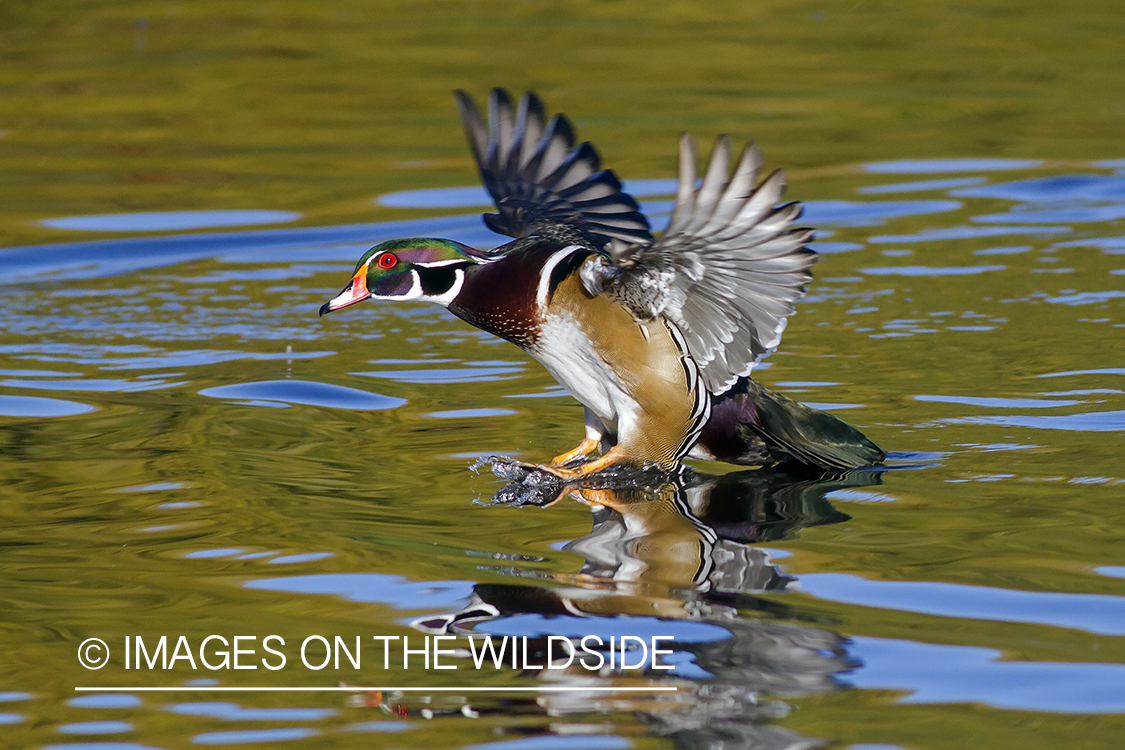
[319,108]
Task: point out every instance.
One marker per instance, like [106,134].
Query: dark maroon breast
[499,297]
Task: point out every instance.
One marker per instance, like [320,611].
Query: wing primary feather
[685,190]
[529,127]
[555,148]
[763,200]
[707,197]
[738,190]
[502,120]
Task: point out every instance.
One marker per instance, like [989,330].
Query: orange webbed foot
[611,458]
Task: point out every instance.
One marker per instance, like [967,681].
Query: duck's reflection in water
[676,557]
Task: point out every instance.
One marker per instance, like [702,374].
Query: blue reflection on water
[306,393]
[235,712]
[145,357]
[858,213]
[1087,298]
[100,746]
[95,727]
[967,674]
[1096,421]
[377,726]
[859,496]
[929,270]
[99,385]
[1073,372]
[1108,245]
[929,166]
[1062,198]
[169,221]
[1099,371]
[253,735]
[455,197]
[207,554]
[155,487]
[963,233]
[470,413]
[448,375]
[556,742]
[835,247]
[105,700]
[1003,250]
[999,403]
[300,558]
[35,406]
[908,187]
[1055,216]
[372,587]
[1085,187]
[1094,613]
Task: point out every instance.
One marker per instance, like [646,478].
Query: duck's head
[415,269]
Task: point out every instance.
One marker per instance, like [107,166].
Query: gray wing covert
[541,182]
[728,269]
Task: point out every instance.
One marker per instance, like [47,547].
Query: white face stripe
[440,263]
[548,268]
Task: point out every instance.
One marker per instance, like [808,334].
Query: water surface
[187,449]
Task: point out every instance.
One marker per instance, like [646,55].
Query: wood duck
[656,337]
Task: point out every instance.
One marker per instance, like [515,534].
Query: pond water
[186,449]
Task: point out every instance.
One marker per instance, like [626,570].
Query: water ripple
[35,406]
[169,221]
[967,674]
[305,393]
[1097,421]
[1094,613]
[930,166]
[999,403]
[929,270]
[382,588]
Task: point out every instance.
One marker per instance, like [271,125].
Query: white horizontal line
[358,689]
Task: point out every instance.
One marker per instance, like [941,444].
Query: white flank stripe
[701,409]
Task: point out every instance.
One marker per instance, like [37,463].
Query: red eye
[388,260]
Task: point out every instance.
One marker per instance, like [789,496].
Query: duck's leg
[583,449]
[595,433]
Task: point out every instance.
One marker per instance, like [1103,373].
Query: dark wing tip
[539,179]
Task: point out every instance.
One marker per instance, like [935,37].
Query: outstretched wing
[726,272]
[541,182]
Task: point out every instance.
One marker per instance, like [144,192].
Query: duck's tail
[752,425]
